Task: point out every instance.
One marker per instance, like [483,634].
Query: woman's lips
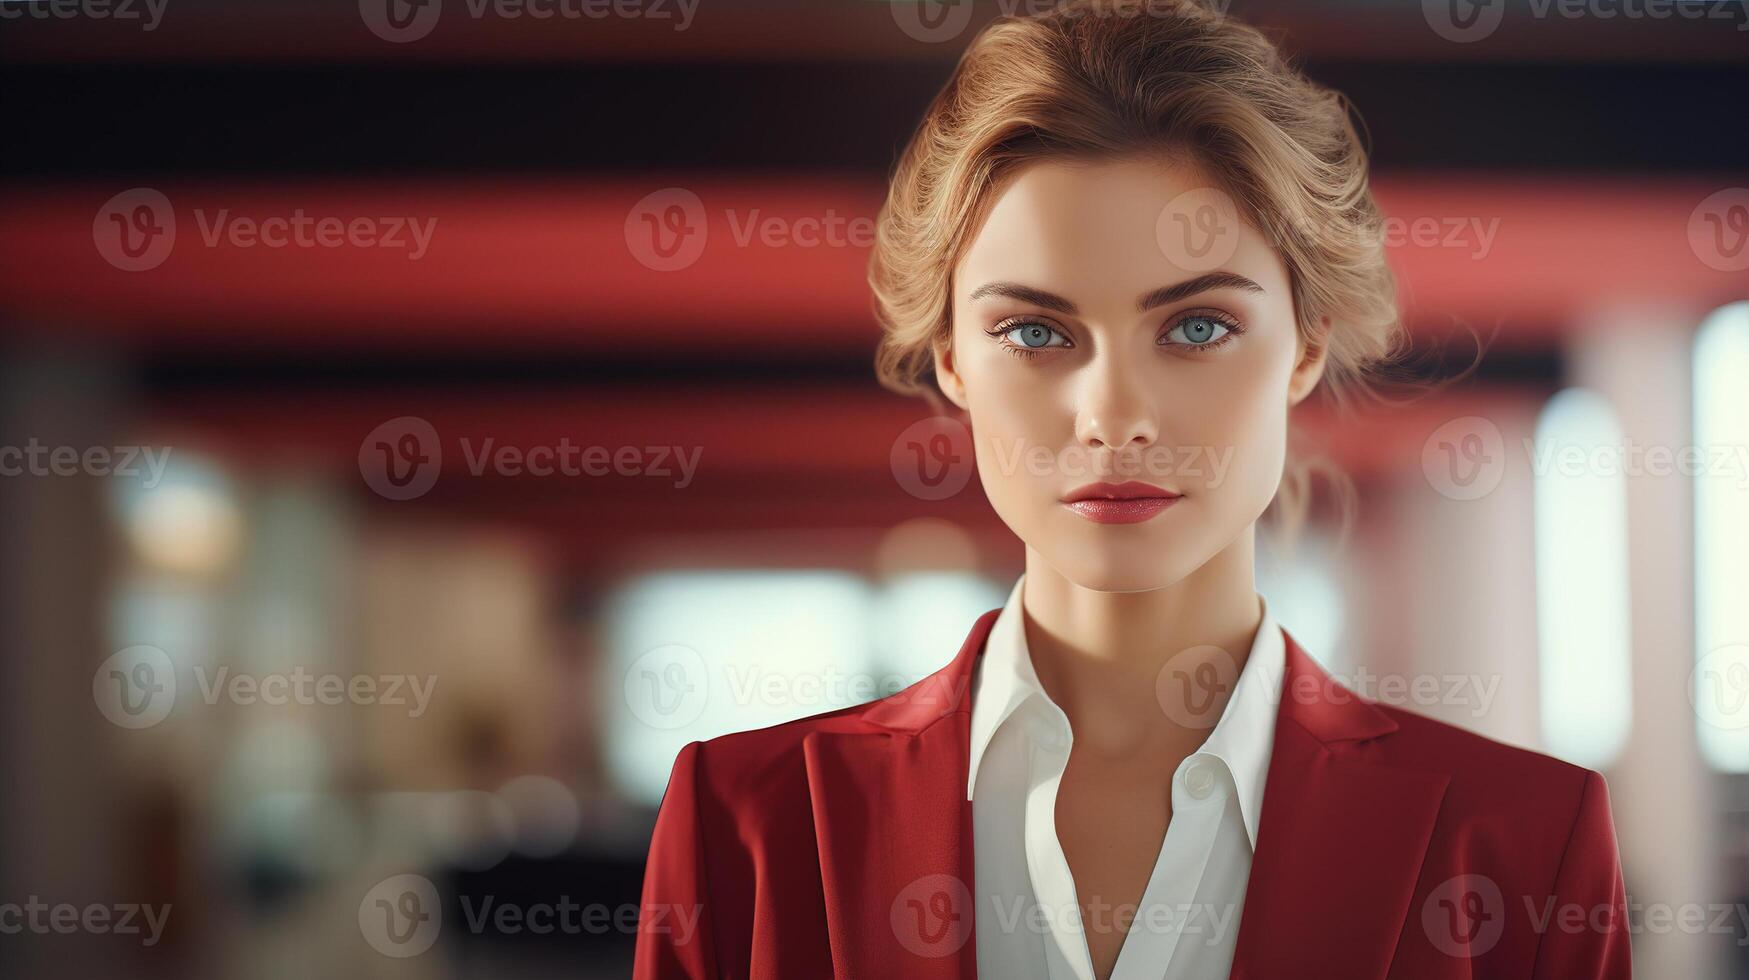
[1123,503]
[1131,511]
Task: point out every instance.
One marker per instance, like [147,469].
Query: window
[1721,538]
[1583,637]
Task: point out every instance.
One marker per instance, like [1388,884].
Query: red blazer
[1391,846]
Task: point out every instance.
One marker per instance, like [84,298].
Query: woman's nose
[1116,407]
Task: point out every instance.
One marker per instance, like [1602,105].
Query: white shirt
[1028,921]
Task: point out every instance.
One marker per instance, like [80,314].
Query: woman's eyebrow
[1026,294]
[1159,297]
[1190,287]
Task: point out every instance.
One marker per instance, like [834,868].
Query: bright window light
[1721,538]
[1305,596]
[694,655]
[1583,638]
[922,619]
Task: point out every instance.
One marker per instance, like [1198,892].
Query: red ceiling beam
[838,436]
[568,264]
[803,469]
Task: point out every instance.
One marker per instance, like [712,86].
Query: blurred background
[417,421]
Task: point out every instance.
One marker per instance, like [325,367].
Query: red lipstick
[1119,503]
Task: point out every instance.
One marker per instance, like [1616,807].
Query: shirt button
[1199,781]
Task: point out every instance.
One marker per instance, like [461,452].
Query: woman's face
[1120,336]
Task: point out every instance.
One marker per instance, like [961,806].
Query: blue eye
[1034,336]
[1197,331]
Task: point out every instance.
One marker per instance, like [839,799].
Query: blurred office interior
[630,465]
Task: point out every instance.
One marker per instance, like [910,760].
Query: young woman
[1126,241]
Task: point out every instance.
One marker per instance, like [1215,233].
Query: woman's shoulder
[1489,780]
[758,766]
[776,745]
[765,769]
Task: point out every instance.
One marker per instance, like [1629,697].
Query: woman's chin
[1122,569]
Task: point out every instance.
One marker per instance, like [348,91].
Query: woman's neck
[1101,655]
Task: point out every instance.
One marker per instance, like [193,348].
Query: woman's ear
[1310,367]
[947,377]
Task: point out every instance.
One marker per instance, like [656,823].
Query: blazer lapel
[1339,849]
[894,829]
[1341,841]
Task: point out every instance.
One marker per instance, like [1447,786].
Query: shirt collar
[1004,681]
[1242,739]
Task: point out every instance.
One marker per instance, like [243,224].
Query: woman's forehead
[1106,229]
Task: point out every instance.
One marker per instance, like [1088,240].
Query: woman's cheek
[1004,439]
[1015,432]
[1244,461]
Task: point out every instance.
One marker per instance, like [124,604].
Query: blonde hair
[1107,78]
